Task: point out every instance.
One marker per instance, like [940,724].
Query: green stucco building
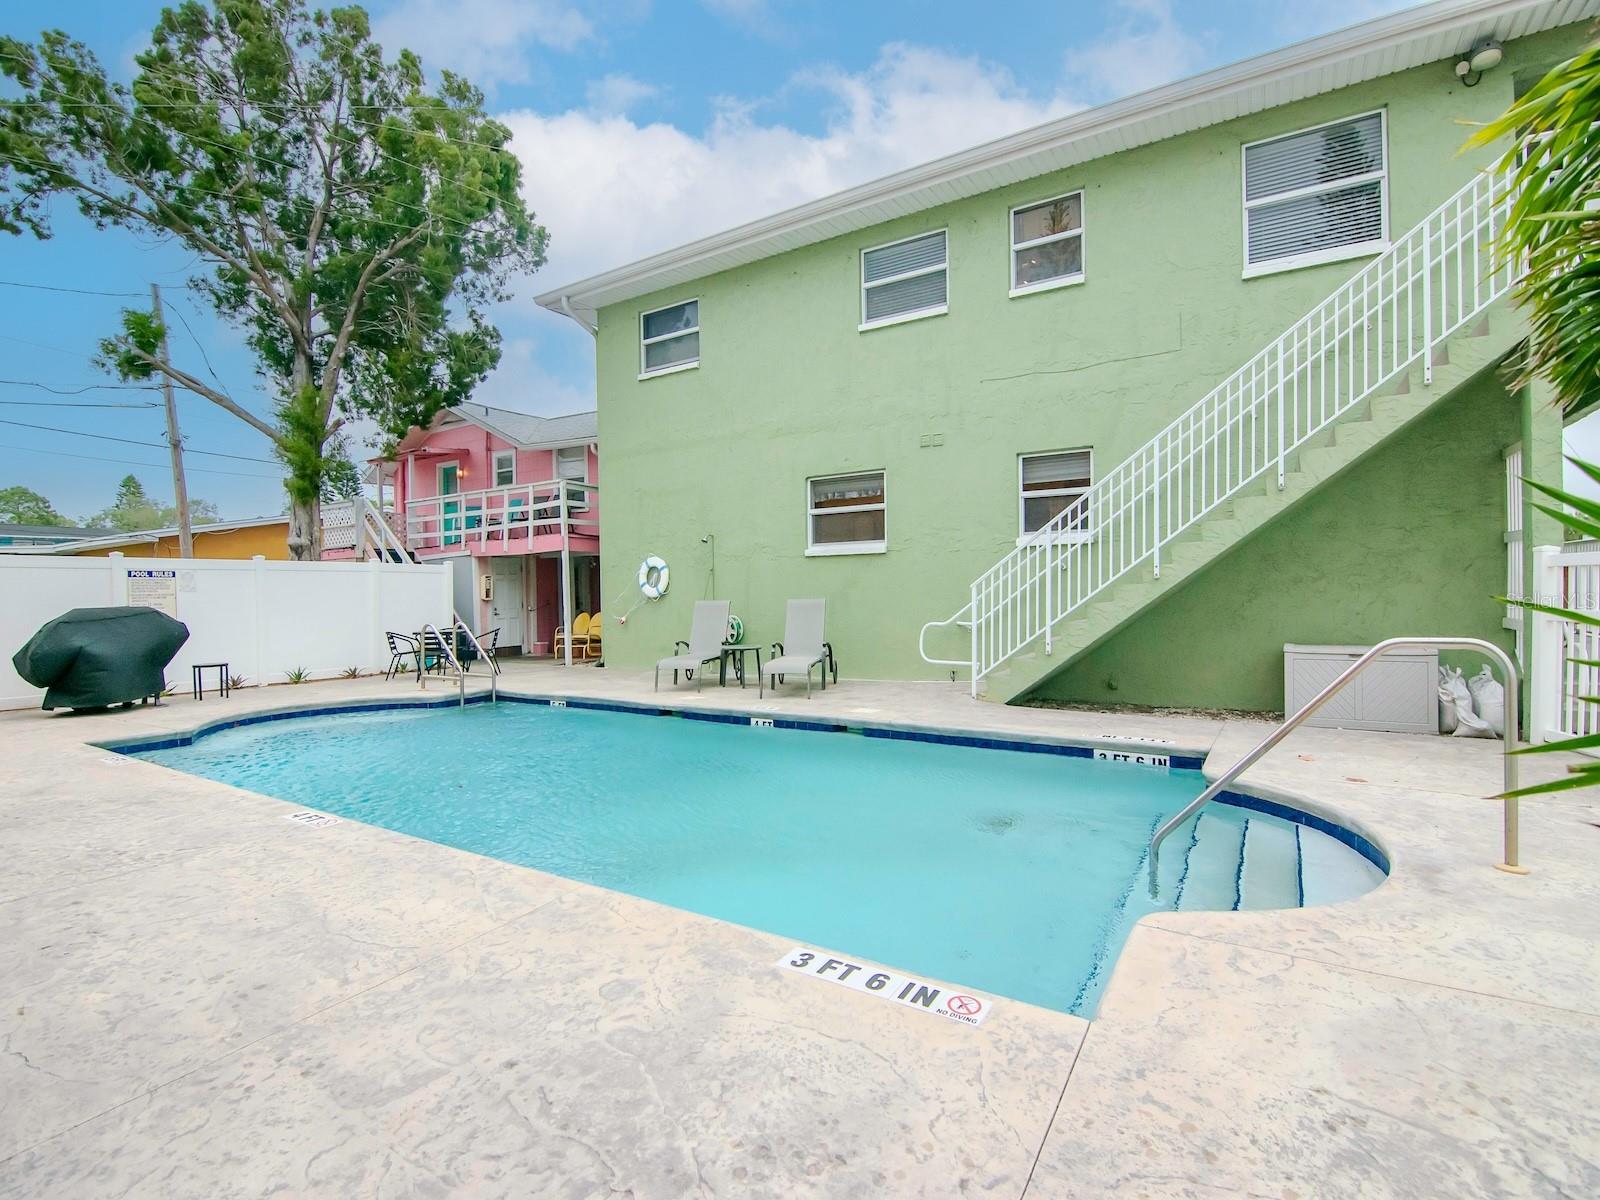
[1135,397]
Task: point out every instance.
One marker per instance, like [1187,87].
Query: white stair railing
[377,534]
[1431,283]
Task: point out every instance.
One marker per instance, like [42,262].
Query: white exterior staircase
[1412,326]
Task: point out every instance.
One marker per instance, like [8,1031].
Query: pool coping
[1285,806]
[1404,1007]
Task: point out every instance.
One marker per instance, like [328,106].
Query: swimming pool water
[1011,872]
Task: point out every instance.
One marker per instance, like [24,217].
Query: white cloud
[522,385]
[1143,47]
[612,189]
[486,40]
[615,95]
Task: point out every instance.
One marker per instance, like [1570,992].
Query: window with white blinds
[1053,483]
[905,279]
[1316,196]
[846,514]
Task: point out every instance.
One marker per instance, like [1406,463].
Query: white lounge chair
[802,647]
[707,629]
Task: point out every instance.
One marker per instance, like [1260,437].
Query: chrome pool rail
[1291,723]
[444,647]
[494,665]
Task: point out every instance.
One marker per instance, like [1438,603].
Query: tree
[1552,231]
[134,509]
[355,222]
[1554,226]
[24,506]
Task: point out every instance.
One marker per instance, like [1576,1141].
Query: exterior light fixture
[1485,55]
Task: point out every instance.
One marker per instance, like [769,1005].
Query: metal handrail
[450,654]
[922,639]
[1293,722]
[494,665]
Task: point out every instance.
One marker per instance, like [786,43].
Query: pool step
[1331,872]
[1210,879]
[1270,877]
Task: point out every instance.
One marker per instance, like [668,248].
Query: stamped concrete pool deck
[205,999]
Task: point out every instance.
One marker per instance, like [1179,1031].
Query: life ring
[653,578]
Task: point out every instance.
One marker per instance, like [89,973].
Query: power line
[77,391]
[204,357]
[76,404]
[134,462]
[41,346]
[45,287]
[106,437]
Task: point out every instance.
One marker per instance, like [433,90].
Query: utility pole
[180,490]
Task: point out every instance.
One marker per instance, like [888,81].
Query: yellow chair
[579,639]
[592,648]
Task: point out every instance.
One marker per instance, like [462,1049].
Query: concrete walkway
[202,998]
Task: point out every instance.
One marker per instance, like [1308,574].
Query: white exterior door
[505,609]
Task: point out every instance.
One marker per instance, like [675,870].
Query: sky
[641,124]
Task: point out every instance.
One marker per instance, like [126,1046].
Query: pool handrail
[450,655]
[1292,722]
[494,666]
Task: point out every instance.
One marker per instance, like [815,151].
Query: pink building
[509,498]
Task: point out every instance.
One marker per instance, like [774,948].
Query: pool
[1017,873]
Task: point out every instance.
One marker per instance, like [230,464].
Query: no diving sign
[963,1007]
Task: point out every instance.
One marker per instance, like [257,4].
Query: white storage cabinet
[1397,694]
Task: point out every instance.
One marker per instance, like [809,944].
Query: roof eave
[1276,66]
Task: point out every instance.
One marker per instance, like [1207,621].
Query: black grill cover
[92,657]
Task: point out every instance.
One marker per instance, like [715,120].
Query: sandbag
[1447,700]
[93,657]
[1455,699]
[1468,723]
[1489,700]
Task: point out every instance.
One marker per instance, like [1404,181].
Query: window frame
[816,549]
[1048,285]
[495,459]
[555,466]
[936,310]
[1332,254]
[1064,537]
[646,372]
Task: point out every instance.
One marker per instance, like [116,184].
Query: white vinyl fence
[1566,577]
[263,618]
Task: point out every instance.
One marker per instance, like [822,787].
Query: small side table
[737,653]
[221,669]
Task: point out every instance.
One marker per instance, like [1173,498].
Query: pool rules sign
[965,1008]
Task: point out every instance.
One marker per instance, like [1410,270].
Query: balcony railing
[502,517]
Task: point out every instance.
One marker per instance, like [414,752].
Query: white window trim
[934,310]
[555,469]
[1063,537]
[1334,253]
[494,466]
[644,371]
[1045,285]
[830,549]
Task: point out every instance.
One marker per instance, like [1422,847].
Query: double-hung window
[846,514]
[1317,196]
[1047,244]
[505,468]
[669,339]
[905,280]
[1050,485]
